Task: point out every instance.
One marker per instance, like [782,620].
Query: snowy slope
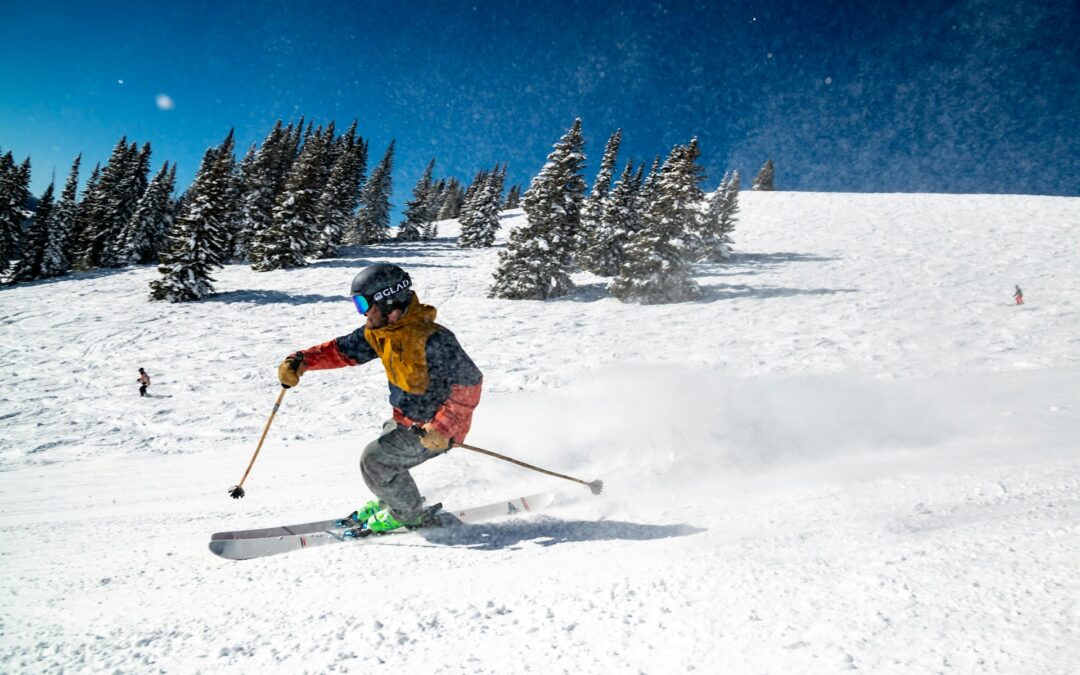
[854,452]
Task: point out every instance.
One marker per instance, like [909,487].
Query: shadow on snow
[264,297]
[549,532]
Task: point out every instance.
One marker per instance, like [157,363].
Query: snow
[854,452]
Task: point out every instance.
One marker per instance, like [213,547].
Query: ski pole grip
[421,432]
[295,361]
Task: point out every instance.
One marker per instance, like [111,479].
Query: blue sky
[969,96]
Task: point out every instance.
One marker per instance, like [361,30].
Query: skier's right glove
[291,369]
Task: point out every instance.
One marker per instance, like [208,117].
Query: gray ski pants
[385,466]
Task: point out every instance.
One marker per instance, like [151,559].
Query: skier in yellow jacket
[434,388]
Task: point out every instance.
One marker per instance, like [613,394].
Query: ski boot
[382,521]
[359,517]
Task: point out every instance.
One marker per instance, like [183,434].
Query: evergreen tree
[619,221]
[63,230]
[452,201]
[259,180]
[112,204]
[240,231]
[656,269]
[36,243]
[131,186]
[338,200]
[14,196]
[467,213]
[372,223]
[648,188]
[144,237]
[537,260]
[292,234]
[417,209]
[197,242]
[594,205]
[721,219]
[480,220]
[763,182]
[513,198]
[81,232]
[432,209]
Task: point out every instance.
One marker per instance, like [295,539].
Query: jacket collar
[415,314]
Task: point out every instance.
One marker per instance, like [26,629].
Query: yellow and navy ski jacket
[431,377]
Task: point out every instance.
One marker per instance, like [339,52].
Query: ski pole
[237,490]
[596,486]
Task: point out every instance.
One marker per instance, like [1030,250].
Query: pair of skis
[247,544]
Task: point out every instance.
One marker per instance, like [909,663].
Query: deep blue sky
[969,96]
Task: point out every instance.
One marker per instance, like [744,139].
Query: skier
[1019,295]
[144,382]
[434,388]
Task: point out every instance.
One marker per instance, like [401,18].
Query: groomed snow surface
[854,453]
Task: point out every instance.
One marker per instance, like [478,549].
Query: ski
[247,544]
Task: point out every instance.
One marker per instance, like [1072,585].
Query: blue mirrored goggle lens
[361,303]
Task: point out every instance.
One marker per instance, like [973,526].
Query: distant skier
[434,385]
[144,381]
[1019,295]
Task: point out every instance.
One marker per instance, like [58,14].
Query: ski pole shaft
[595,486]
[238,490]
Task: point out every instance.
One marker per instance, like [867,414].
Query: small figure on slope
[1019,295]
[434,388]
[144,382]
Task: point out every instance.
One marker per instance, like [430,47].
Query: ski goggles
[362,304]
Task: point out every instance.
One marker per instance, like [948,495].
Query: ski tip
[221,549]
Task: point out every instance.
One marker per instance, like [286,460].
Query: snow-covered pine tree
[619,220]
[648,187]
[489,218]
[35,242]
[338,200]
[292,232]
[656,269]
[331,150]
[763,182]
[196,243]
[102,207]
[259,180]
[432,209]
[721,219]
[467,214]
[513,198]
[62,231]
[80,233]
[172,208]
[240,225]
[416,209]
[483,212]
[14,195]
[536,263]
[142,239]
[593,207]
[452,201]
[372,222]
[125,199]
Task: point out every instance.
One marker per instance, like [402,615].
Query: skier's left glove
[433,440]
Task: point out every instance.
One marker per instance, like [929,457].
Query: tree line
[305,191]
